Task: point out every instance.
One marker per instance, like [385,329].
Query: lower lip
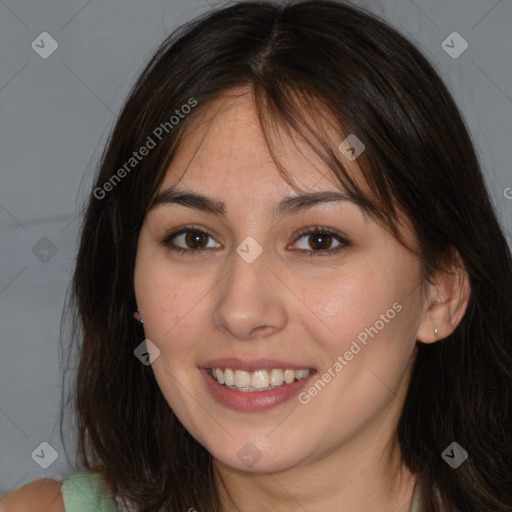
[251,401]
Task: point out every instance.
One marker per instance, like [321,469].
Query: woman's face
[253,293]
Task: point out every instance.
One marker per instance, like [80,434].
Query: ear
[446,299]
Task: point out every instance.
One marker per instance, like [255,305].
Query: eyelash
[316,230]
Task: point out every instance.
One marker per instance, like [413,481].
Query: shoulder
[39,496]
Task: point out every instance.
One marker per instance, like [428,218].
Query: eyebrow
[287,206]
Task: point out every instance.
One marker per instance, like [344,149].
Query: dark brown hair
[419,160]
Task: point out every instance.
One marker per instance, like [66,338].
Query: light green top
[85,491]
[416,501]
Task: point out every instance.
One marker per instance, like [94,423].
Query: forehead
[225,146]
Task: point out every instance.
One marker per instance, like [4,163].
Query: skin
[40,495]
[336,452]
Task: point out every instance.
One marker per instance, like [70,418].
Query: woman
[291,208]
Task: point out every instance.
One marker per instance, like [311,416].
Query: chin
[250,457]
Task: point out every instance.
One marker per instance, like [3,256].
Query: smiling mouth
[259,380]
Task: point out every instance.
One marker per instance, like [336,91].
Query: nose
[251,300]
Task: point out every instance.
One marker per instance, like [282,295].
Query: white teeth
[219,375]
[242,379]
[260,380]
[300,374]
[276,377]
[289,376]
[229,377]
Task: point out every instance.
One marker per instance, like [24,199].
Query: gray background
[55,115]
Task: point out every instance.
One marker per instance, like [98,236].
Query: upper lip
[251,365]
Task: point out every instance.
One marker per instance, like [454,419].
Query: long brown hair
[419,159]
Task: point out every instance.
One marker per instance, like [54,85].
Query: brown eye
[187,240]
[320,240]
[196,237]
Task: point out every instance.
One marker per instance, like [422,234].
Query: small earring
[435,331]
[137,317]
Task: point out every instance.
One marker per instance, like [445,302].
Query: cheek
[366,348]
[360,305]
[372,315]
[173,305]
